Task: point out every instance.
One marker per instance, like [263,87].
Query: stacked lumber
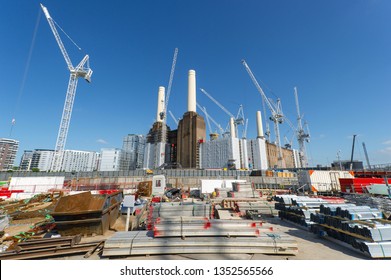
[49,247]
[143,243]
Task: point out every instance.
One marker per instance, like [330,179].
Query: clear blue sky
[337,52]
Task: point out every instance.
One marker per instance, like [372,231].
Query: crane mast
[163,115]
[302,136]
[277,116]
[82,70]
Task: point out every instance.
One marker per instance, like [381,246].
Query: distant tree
[15,168]
[35,169]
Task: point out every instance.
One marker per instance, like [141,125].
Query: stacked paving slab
[242,190]
[195,235]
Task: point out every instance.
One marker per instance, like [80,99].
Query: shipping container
[322,180]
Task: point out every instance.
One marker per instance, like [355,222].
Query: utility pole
[351,157]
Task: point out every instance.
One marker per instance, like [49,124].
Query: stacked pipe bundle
[381,203]
[378,250]
[351,211]
[176,209]
[144,243]
[298,209]
[195,226]
[360,226]
[243,190]
[264,208]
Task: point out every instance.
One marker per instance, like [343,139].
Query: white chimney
[259,125]
[160,104]
[191,97]
[232,127]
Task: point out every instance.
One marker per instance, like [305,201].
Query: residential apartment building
[42,159]
[133,152]
[73,160]
[110,159]
[8,151]
[26,160]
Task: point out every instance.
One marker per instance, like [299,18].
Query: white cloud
[388,142]
[101,141]
[386,151]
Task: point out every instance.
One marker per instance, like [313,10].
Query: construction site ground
[311,247]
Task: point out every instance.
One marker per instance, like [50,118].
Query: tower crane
[160,147]
[208,117]
[238,120]
[302,136]
[82,70]
[244,134]
[173,117]
[207,120]
[276,110]
[163,115]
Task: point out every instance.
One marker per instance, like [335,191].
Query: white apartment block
[73,160]
[42,159]
[110,159]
